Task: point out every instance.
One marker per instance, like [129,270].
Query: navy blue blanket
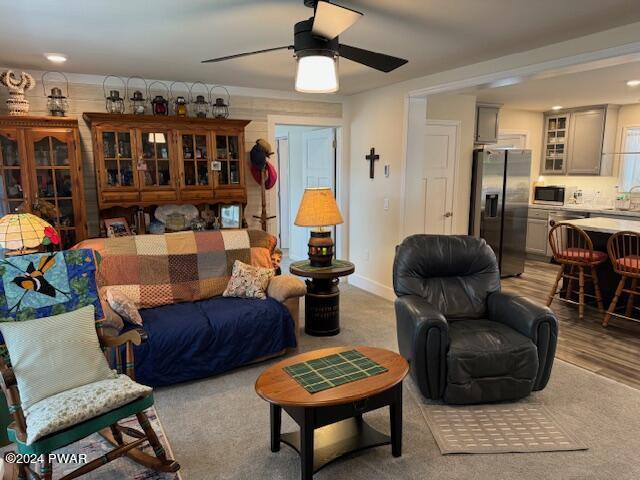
[187,341]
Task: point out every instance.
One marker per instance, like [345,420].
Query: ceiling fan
[316,48]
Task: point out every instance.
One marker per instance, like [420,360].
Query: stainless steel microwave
[549,195]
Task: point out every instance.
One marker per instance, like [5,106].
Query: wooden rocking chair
[106,424]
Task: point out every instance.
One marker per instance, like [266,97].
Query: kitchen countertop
[586,208]
[605,225]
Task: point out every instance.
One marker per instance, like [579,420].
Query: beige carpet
[219,428]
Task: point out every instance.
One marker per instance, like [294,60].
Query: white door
[318,170]
[282,151]
[439,174]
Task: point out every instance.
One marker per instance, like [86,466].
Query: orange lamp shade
[20,231]
[318,208]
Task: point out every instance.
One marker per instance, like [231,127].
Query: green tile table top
[333,370]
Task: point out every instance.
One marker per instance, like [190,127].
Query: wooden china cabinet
[40,162]
[145,161]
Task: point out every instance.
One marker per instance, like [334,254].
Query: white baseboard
[372,286]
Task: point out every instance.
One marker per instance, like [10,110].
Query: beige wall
[377,118]
[89,97]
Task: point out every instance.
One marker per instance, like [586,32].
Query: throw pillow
[248,282]
[123,306]
[53,354]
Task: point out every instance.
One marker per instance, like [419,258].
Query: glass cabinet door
[54,179]
[228,156]
[117,153]
[155,166]
[195,160]
[11,175]
[555,144]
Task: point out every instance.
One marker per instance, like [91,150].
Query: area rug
[122,468]
[499,428]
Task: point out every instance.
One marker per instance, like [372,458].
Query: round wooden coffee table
[331,423]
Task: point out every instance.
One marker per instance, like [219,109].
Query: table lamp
[24,233]
[318,209]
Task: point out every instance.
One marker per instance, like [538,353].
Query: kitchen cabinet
[555,148]
[580,141]
[487,124]
[41,173]
[145,161]
[537,231]
[585,142]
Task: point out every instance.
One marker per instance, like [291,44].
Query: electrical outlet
[386,204]
[365,254]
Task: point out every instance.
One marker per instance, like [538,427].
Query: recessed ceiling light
[633,83]
[556,107]
[55,57]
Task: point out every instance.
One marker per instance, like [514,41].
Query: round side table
[322,301]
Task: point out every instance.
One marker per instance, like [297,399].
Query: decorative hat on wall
[259,155]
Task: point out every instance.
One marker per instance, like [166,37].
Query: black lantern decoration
[199,106]
[219,109]
[56,102]
[114,103]
[179,103]
[137,101]
[159,104]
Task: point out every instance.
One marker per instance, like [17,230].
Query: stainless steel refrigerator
[500,203]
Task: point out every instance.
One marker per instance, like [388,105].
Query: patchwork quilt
[155,270]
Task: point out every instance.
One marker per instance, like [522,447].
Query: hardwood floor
[613,352]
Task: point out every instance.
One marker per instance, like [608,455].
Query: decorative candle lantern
[56,102]
[200,106]
[159,104]
[181,106]
[114,103]
[219,109]
[137,101]
[179,103]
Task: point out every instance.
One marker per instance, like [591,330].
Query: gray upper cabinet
[579,141]
[585,142]
[487,124]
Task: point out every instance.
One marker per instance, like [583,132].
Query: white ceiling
[167,39]
[592,87]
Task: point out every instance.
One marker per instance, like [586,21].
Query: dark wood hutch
[40,164]
[143,161]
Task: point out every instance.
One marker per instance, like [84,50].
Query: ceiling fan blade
[331,20]
[379,61]
[229,57]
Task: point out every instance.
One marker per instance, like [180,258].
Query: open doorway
[306,157]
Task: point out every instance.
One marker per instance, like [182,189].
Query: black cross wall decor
[372,157]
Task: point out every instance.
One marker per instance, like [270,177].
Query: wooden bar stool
[624,253]
[573,250]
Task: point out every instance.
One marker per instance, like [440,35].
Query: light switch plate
[387,169]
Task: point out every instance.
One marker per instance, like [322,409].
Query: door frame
[341,173]
[456,161]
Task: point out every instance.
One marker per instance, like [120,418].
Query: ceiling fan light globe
[317,74]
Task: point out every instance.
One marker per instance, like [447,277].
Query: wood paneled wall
[84,97]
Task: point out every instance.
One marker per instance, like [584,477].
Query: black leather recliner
[466,341]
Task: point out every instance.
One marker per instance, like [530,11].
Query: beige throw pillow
[248,282]
[50,355]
